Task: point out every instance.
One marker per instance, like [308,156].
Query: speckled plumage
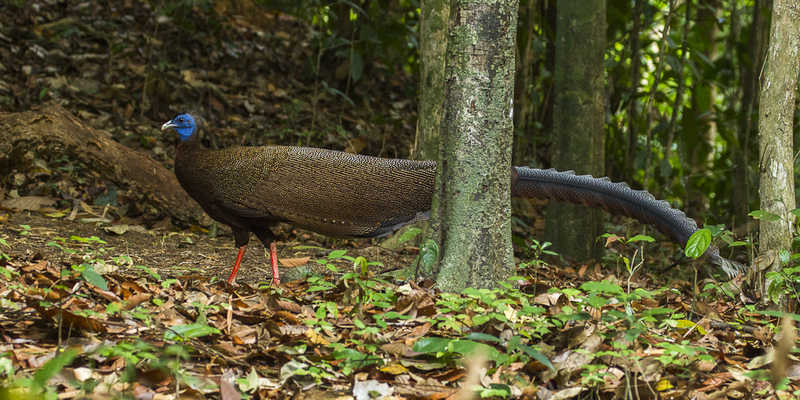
[345,195]
[329,192]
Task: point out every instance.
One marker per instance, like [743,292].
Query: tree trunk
[578,122]
[550,26]
[51,131]
[526,97]
[775,134]
[633,103]
[743,177]
[699,128]
[471,207]
[434,21]
[434,24]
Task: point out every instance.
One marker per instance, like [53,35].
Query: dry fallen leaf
[294,262]
[28,203]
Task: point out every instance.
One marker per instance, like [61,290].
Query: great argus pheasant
[340,194]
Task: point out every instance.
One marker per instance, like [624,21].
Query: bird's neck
[192,143]
[186,158]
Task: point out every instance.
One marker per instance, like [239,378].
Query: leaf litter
[101,299]
[165,329]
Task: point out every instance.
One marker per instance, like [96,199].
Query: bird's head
[183,123]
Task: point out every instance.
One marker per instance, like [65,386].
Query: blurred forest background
[344,74]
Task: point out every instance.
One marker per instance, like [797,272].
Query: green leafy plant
[630,265]
[37,385]
[428,253]
[539,249]
[698,243]
[449,350]
[4,258]
[90,257]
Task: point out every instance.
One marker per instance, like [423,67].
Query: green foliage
[470,324]
[409,235]
[4,258]
[429,253]
[765,216]
[630,264]
[702,124]
[37,386]
[359,264]
[698,243]
[91,258]
[145,356]
[366,290]
[360,32]
[538,250]
[786,280]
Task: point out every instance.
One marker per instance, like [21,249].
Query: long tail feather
[615,198]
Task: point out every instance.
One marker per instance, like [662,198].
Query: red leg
[232,279]
[273,258]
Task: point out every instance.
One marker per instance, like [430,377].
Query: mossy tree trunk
[776,188]
[471,208]
[434,21]
[578,122]
[434,25]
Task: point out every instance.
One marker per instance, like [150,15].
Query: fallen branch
[51,131]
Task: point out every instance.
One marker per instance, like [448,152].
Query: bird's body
[330,192]
[345,195]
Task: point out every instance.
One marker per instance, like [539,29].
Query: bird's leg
[273,259]
[232,278]
[266,236]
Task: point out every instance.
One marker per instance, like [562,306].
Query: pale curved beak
[168,125]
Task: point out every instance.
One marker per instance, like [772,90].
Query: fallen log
[51,131]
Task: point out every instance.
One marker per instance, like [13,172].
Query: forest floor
[91,309]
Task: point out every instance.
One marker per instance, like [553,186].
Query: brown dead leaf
[705,366]
[546,299]
[39,266]
[793,372]
[244,335]
[420,330]
[294,262]
[70,319]
[582,270]
[28,203]
[579,334]
[394,369]
[613,238]
[286,317]
[135,300]
[764,260]
[316,338]
[289,306]
[786,343]
[272,328]
[397,348]
[227,386]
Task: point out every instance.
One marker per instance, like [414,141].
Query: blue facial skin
[183,124]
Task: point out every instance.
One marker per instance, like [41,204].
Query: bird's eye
[180,119]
